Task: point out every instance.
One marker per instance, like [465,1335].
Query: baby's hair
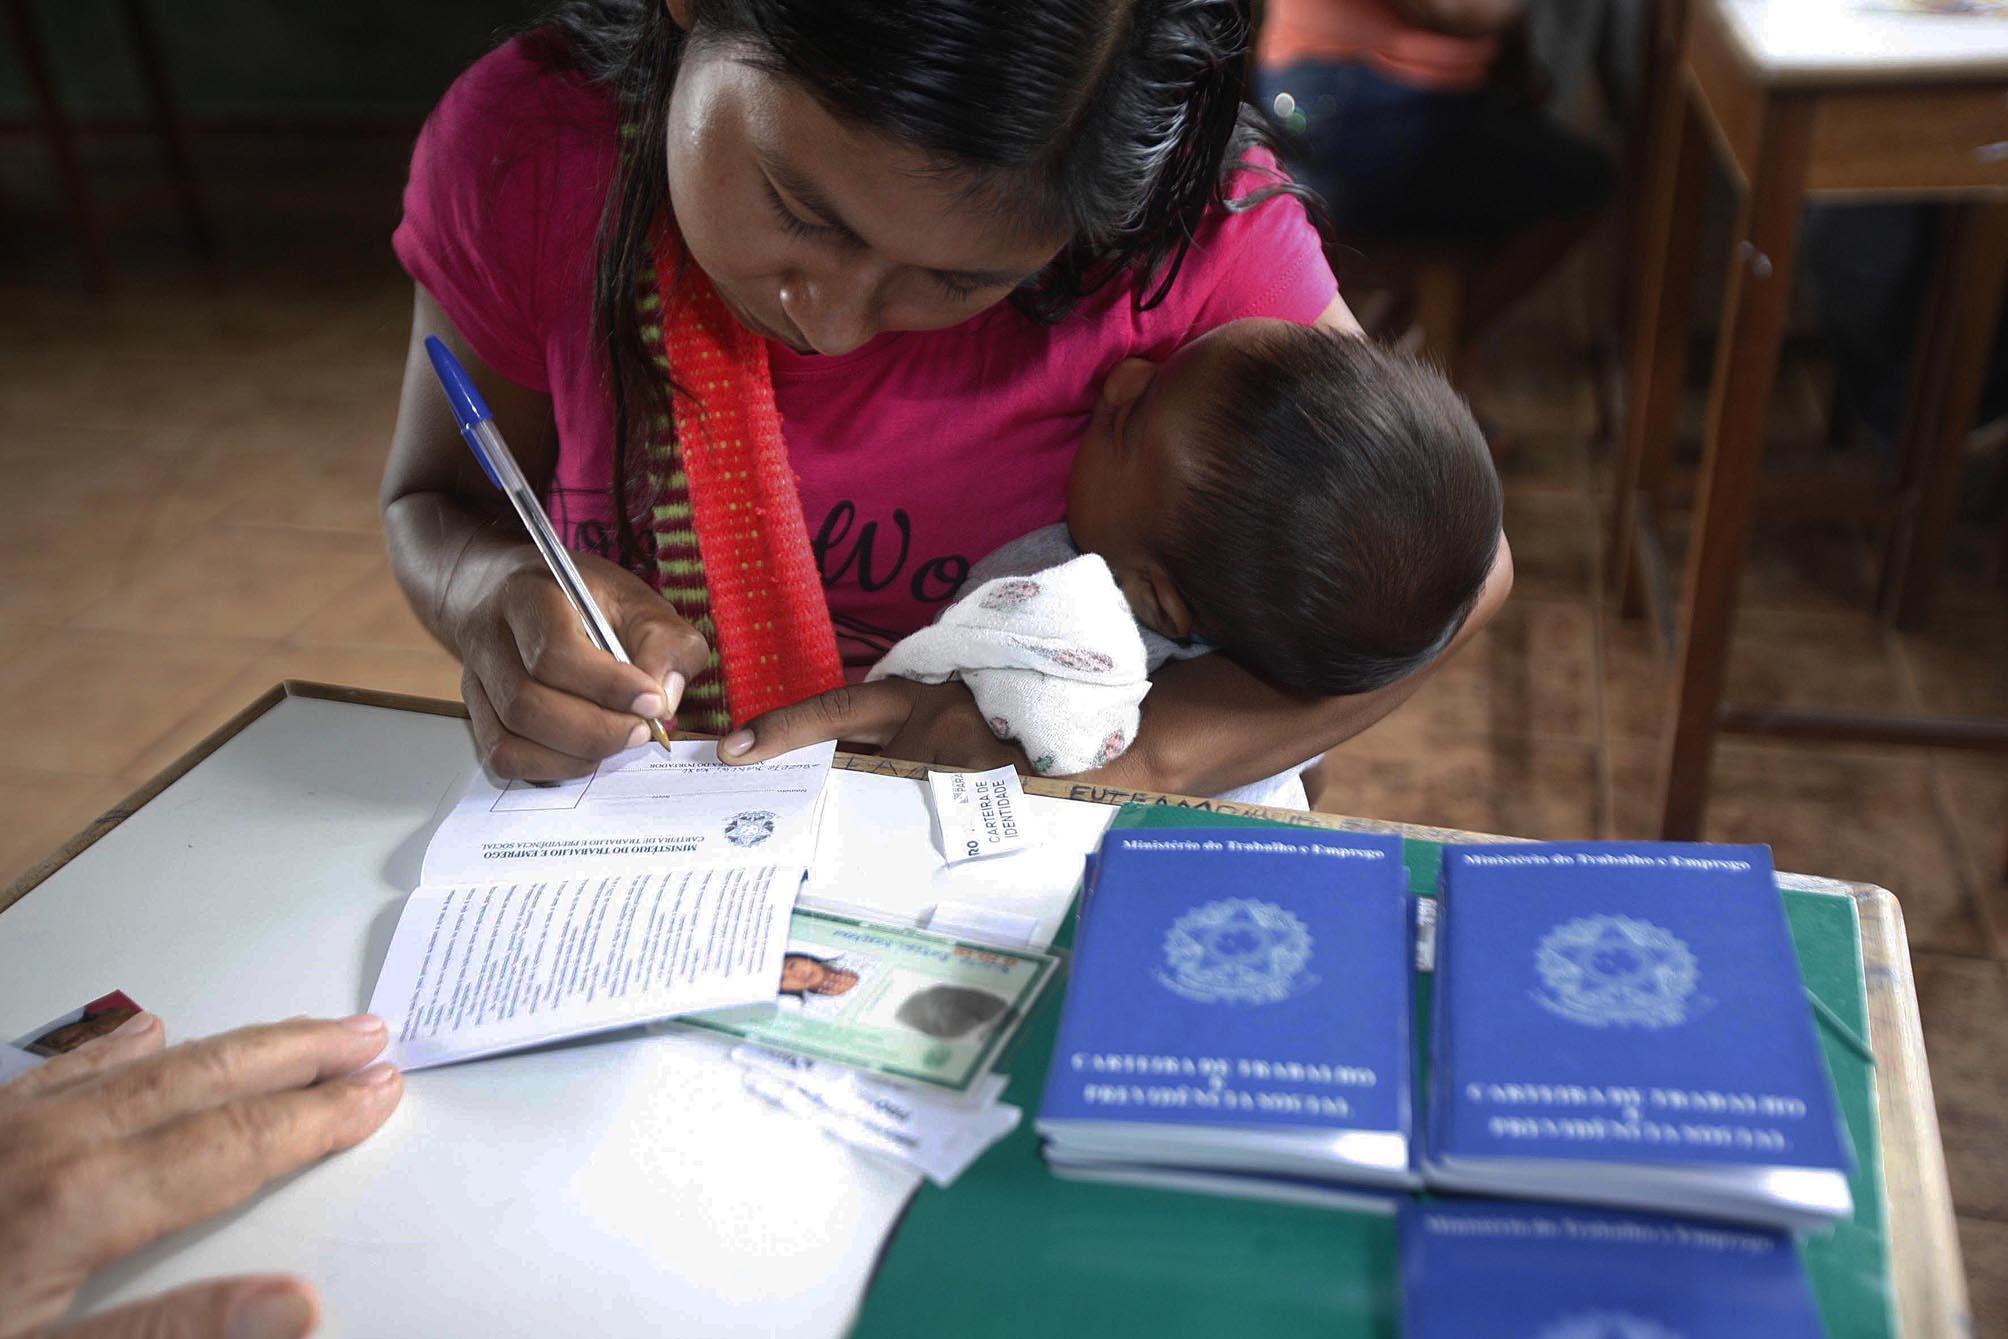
[1343,516]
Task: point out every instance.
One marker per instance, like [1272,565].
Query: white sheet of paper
[644,809]
[875,860]
[483,968]
[939,1138]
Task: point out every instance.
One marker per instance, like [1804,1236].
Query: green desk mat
[1011,1250]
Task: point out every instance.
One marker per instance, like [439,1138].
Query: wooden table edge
[1921,1227]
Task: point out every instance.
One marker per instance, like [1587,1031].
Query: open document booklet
[664,886]
[659,885]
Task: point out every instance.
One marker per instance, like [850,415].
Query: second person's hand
[120,1142]
[545,703]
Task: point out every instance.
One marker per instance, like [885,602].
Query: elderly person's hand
[120,1142]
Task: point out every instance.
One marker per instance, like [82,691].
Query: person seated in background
[1417,122]
[1320,508]
[1868,268]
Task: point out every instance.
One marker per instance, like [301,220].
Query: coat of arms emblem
[1615,971]
[1607,1325]
[1236,951]
[750,828]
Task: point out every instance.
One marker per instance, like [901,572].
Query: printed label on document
[980,813]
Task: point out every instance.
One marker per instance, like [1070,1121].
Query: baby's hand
[915,722]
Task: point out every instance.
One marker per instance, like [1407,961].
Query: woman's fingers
[866,713]
[543,702]
[250,1062]
[506,753]
[551,703]
[131,1191]
[139,1036]
[271,1306]
[664,647]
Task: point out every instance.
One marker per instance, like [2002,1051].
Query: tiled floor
[187,514]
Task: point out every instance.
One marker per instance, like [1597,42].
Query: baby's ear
[1168,612]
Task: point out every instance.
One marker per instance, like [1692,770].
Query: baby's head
[1320,507]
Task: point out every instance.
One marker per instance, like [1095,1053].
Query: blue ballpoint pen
[477,425]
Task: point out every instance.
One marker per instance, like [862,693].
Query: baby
[1318,507]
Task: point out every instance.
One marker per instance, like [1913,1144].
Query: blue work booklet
[1625,1024]
[1237,1018]
[1492,1267]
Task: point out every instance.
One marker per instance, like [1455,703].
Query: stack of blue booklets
[1238,1017]
[1625,1025]
[1483,1268]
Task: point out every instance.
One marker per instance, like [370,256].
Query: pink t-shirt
[917,454]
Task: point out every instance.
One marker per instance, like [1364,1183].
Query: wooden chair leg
[92,254]
[1746,367]
[1954,349]
[2001,551]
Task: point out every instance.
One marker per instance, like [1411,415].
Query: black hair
[1106,120]
[1341,515]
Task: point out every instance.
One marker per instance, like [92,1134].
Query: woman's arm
[1340,317]
[544,701]
[1208,725]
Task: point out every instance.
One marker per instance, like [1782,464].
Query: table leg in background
[1666,265]
[1954,349]
[1746,365]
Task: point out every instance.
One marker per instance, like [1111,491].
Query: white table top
[627,1185]
[1846,41]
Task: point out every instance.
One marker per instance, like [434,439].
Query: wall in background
[346,61]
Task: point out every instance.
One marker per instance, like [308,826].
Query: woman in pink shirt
[946,218]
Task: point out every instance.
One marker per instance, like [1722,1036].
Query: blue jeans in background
[1419,165]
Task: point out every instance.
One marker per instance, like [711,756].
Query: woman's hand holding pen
[546,704]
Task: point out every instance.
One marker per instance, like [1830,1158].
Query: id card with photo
[59,1036]
[900,1003]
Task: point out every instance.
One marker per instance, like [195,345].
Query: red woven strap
[775,641]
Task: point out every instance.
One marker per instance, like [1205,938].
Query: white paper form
[630,1189]
[645,809]
[875,860]
[478,969]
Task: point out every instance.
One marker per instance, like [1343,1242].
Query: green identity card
[903,1004]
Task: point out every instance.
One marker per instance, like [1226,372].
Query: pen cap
[469,409]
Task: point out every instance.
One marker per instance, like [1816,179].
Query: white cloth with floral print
[1054,660]
[1033,558]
